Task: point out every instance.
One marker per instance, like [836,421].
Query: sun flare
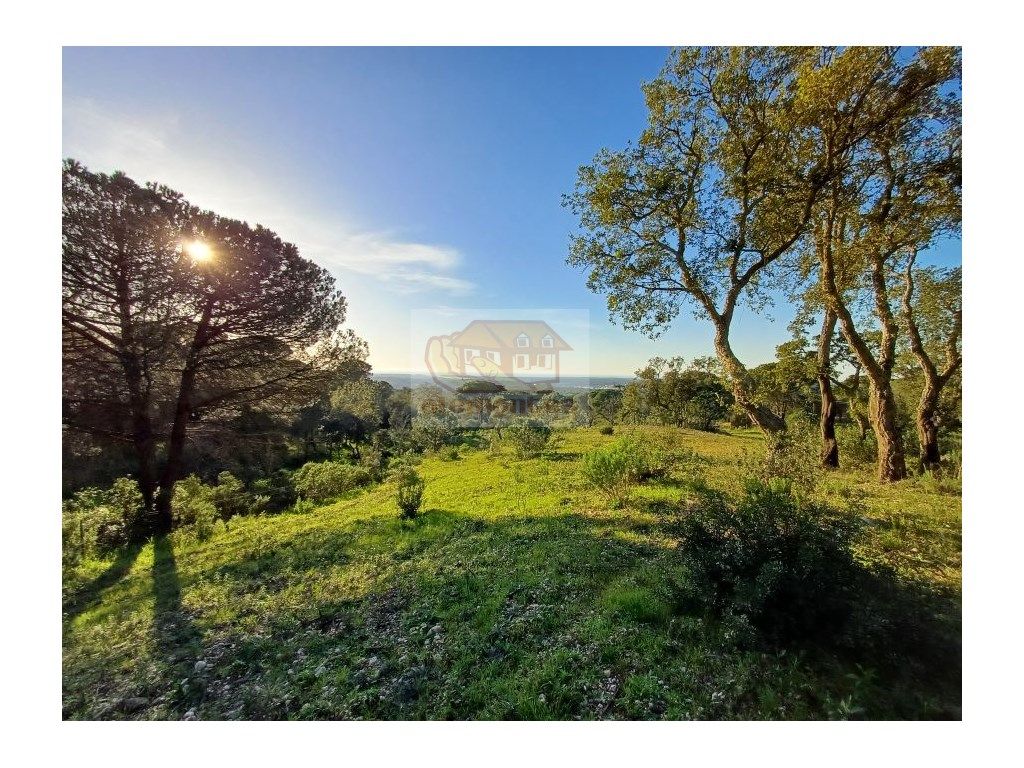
[199,251]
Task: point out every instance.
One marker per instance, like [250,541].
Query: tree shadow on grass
[89,595]
[177,639]
[501,593]
[909,635]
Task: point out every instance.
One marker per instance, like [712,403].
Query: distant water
[565,384]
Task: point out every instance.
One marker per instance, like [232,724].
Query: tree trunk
[862,425]
[143,441]
[928,429]
[182,414]
[829,444]
[763,419]
[175,450]
[892,465]
[145,456]
[927,421]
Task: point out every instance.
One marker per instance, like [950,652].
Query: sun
[199,251]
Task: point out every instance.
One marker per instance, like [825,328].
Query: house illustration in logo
[521,349]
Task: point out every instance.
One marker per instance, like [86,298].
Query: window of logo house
[511,347]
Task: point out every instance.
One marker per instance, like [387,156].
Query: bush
[738,418]
[205,519]
[277,488]
[230,498]
[854,450]
[615,468]
[435,431]
[786,567]
[793,456]
[409,488]
[705,409]
[374,459]
[189,495]
[527,436]
[206,508]
[607,429]
[324,481]
[97,521]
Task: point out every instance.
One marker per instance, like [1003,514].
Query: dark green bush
[607,429]
[615,468]
[434,431]
[785,566]
[230,498]
[277,488]
[96,521]
[324,481]
[527,436]
[375,461]
[738,418]
[409,488]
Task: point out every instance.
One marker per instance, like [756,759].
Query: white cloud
[160,149]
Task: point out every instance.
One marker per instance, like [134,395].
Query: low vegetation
[520,590]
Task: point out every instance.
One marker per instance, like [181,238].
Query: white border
[992,528]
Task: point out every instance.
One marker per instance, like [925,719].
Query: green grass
[519,594]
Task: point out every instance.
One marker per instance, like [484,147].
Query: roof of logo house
[503,334]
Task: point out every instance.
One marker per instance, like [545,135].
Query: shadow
[474,439]
[507,616]
[177,640]
[909,636]
[89,595]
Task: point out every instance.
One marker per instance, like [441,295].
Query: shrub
[324,481]
[409,488]
[738,418]
[436,430]
[615,468]
[607,429]
[230,498]
[205,519]
[374,459]
[786,567]
[277,488]
[189,494]
[855,450]
[205,508]
[793,456]
[527,436]
[96,521]
[125,499]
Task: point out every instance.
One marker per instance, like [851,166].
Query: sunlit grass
[519,594]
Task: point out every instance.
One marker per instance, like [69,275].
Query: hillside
[519,594]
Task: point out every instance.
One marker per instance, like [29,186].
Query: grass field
[520,593]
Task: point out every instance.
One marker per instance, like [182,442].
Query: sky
[427,180]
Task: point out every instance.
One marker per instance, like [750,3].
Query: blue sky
[424,178]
